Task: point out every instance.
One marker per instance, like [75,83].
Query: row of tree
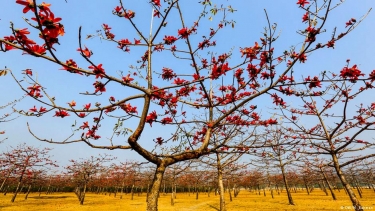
[28,169]
[187,96]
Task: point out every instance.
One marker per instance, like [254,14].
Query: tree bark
[18,185]
[152,199]
[82,199]
[357,205]
[28,191]
[290,199]
[221,189]
[306,186]
[328,184]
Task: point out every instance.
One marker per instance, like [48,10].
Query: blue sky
[250,21]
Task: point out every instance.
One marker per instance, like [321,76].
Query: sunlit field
[317,200]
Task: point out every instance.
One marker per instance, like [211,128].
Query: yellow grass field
[317,200]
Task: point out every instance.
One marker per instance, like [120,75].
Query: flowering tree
[25,162]
[195,92]
[280,151]
[83,172]
[235,144]
[339,126]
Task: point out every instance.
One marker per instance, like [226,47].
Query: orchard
[214,95]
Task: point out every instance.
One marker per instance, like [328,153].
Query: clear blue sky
[359,46]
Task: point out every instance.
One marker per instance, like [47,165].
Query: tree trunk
[290,199]
[16,191]
[221,189]
[28,191]
[152,199]
[82,199]
[328,184]
[348,189]
[3,183]
[18,186]
[306,186]
[148,191]
[132,192]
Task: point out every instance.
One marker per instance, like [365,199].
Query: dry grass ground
[317,200]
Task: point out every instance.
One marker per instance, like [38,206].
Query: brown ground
[317,200]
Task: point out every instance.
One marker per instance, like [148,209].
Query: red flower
[98,71]
[10,39]
[72,66]
[86,52]
[179,81]
[169,40]
[136,42]
[219,70]
[128,108]
[151,117]
[305,17]
[127,79]
[331,44]
[184,32]
[159,48]
[112,99]
[99,86]
[159,140]
[34,91]
[28,72]
[303,2]
[302,58]
[156,13]
[29,5]
[157,3]
[372,76]
[87,106]
[72,104]
[270,122]
[353,73]
[118,10]
[41,110]
[106,27]
[123,43]
[278,100]
[61,114]
[81,115]
[34,109]
[315,82]
[129,14]
[85,125]
[166,120]
[168,74]
[350,22]
[37,49]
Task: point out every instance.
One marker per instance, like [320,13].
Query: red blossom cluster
[314,82]
[129,108]
[350,22]
[169,40]
[61,113]
[352,73]
[107,32]
[303,2]
[151,117]
[128,14]
[41,109]
[97,70]
[34,91]
[168,74]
